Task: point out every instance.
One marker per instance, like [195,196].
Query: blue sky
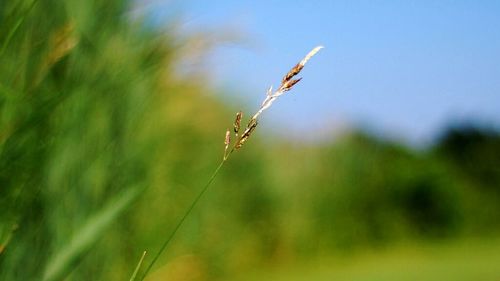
[404,69]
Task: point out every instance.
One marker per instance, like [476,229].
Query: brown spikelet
[294,71]
[237,122]
[289,84]
[247,133]
[252,123]
[227,139]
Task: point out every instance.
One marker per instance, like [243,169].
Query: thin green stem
[181,221]
[137,267]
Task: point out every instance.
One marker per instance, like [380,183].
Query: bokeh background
[383,163]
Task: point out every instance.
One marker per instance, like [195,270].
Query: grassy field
[470,260]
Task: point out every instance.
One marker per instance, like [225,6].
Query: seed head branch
[286,85]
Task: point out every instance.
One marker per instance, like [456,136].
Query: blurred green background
[104,143]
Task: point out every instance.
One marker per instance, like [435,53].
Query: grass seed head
[294,71]
[287,84]
[237,122]
[247,133]
[227,139]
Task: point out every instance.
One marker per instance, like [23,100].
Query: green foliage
[473,155]
[78,92]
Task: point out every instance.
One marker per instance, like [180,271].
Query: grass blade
[61,264]
[13,30]
[138,266]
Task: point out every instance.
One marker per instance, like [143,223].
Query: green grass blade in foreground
[62,262]
[181,221]
[132,278]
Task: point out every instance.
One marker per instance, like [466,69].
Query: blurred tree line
[92,109]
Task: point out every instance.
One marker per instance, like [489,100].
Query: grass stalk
[287,83]
[132,278]
[181,221]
